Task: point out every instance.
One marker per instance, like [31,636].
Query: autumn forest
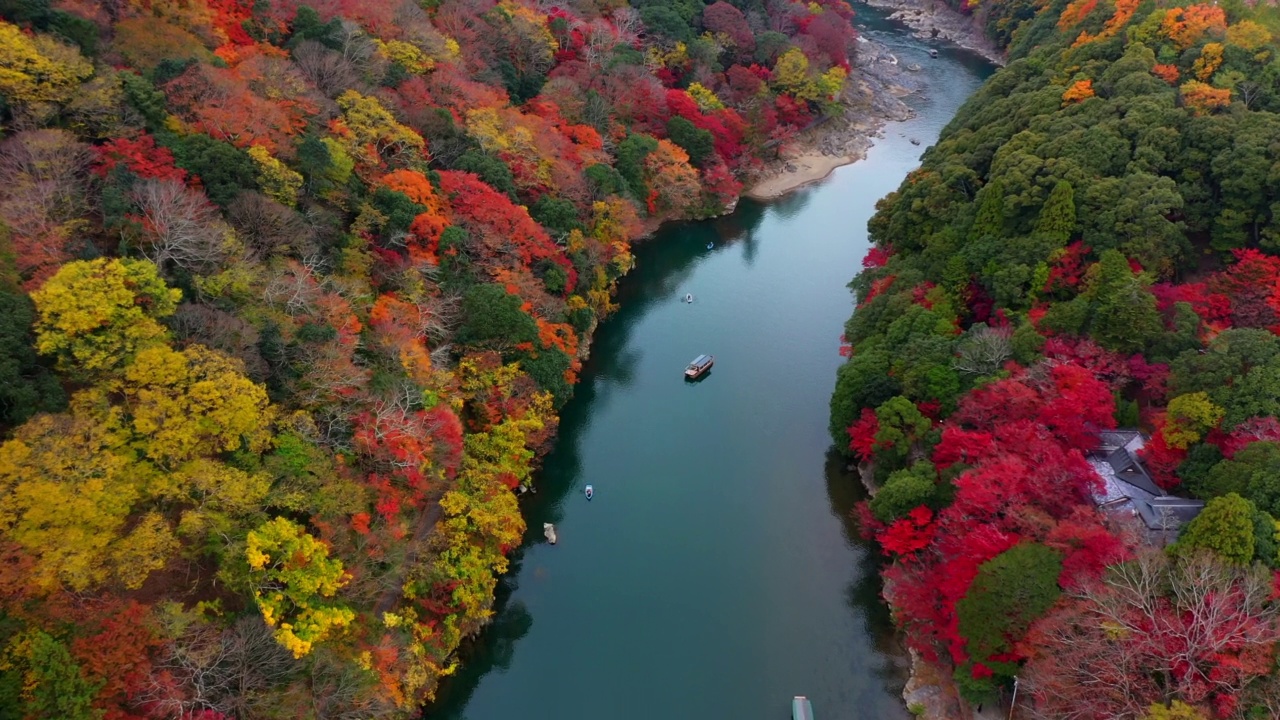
[1090,246]
[290,296]
[292,293]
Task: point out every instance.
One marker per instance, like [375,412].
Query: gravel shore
[873,96]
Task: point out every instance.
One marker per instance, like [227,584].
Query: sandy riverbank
[805,169]
[873,97]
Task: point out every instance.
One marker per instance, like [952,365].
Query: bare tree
[330,71]
[355,45]
[268,228]
[1155,629]
[627,20]
[44,184]
[236,671]
[180,227]
[220,330]
[983,350]
[295,286]
[340,691]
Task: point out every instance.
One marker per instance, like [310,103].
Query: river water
[716,573]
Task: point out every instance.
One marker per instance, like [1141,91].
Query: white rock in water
[550,531]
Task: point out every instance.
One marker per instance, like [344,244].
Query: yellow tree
[295,579]
[66,492]
[193,403]
[1189,417]
[38,72]
[93,316]
[791,72]
[372,133]
[1177,710]
[277,180]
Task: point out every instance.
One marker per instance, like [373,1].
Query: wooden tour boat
[801,708]
[699,367]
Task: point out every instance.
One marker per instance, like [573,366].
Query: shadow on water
[845,490]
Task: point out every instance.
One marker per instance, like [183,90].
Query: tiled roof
[1128,487]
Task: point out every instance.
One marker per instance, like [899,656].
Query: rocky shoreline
[934,20]
[872,97]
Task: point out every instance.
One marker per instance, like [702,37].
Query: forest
[291,292]
[1092,244]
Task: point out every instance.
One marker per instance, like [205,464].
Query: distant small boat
[710,245]
[699,367]
[801,708]
[550,531]
[688,298]
[589,492]
[933,53]
[914,141]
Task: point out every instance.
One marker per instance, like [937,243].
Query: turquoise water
[715,574]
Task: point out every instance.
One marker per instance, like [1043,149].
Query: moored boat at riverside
[699,367]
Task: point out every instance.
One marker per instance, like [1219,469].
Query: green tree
[697,142]
[630,161]
[1124,315]
[493,318]
[1254,472]
[904,491]
[1264,538]
[26,385]
[1010,592]
[862,382]
[1225,526]
[491,169]
[902,427]
[1056,223]
[223,169]
[558,215]
[547,367]
[53,685]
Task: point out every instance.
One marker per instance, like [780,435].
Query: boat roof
[801,709]
[700,359]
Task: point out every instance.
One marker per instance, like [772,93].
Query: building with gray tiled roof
[1128,487]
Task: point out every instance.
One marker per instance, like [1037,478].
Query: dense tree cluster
[1091,243]
[290,294]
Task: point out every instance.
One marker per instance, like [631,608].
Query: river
[716,573]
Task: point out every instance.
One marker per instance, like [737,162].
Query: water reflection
[845,490]
[511,623]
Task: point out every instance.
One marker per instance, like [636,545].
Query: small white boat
[699,367]
[688,298]
[550,531]
[801,708]
[589,492]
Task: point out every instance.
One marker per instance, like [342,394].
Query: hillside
[1090,245]
[290,296]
